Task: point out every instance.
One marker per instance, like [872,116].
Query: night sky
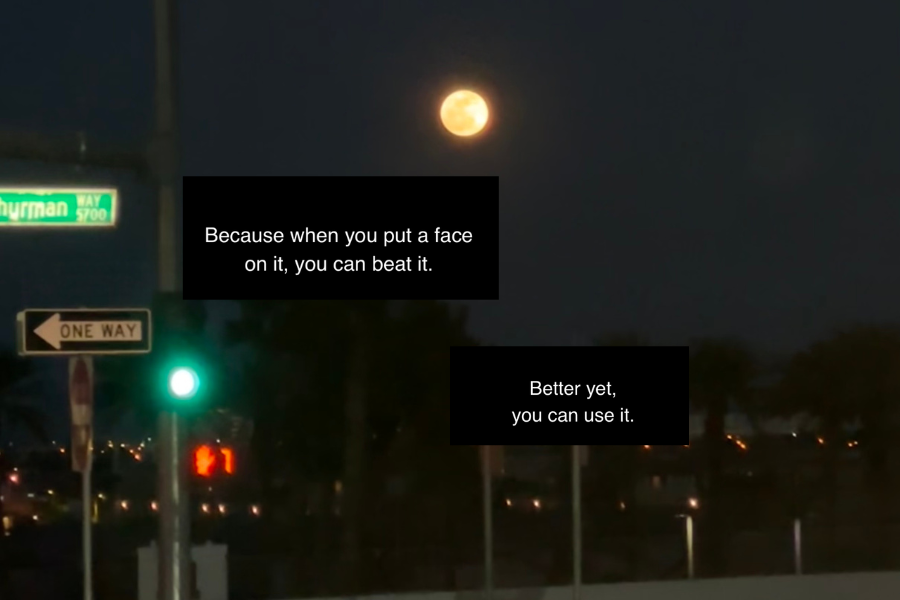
[681,171]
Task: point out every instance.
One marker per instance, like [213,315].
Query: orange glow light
[228,456]
[204,461]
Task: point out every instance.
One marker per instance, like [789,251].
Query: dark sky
[677,168]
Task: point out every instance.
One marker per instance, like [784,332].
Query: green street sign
[58,207]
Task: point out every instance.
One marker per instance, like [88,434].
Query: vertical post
[86,519]
[81,407]
[166,161]
[576,523]
[487,497]
[174,519]
[689,540]
[798,547]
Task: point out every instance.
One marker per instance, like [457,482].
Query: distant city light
[254,510]
[693,503]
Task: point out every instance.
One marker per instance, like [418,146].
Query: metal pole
[165,144]
[798,547]
[488,523]
[86,529]
[174,517]
[689,538]
[576,523]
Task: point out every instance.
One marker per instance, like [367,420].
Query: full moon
[464,113]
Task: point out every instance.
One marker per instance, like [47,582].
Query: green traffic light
[183,383]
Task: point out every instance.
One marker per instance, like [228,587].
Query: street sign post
[95,331]
[58,207]
[81,407]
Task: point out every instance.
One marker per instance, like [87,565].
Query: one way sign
[69,331]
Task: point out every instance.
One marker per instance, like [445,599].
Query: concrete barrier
[850,586]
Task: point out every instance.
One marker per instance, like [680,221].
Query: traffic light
[204,461]
[184,383]
[180,356]
[210,461]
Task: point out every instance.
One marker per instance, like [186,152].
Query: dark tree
[853,376]
[722,374]
[15,411]
[355,392]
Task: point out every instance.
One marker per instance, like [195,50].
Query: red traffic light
[209,460]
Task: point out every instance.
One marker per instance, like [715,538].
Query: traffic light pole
[174,564]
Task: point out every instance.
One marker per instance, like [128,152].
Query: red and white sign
[81,406]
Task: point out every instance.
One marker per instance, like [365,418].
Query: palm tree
[722,372]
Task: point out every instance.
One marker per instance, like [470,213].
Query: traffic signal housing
[180,356]
[210,461]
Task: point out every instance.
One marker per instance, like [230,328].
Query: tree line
[358,392]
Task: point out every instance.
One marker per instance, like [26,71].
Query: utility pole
[174,580]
